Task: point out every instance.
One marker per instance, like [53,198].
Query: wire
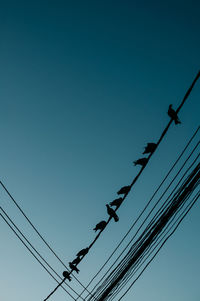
[160,185]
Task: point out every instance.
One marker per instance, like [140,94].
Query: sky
[84,86]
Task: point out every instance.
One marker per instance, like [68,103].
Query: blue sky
[84,85]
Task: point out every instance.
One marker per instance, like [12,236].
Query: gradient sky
[84,85]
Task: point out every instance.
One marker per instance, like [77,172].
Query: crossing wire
[142,212]
[194,161]
[134,254]
[140,172]
[31,245]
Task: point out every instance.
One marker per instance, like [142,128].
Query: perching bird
[82,252]
[112,213]
[116,202]
[66,275]
[100,226]
[142,162]
[172,114]
[73,267]
[150,148]
[124,190]
[76,260]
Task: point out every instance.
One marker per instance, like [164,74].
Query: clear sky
[84,85]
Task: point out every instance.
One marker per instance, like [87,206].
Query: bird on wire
[112,213]
[116,202]
[150,148]
[66,275]
[82,252]
[142,162]
[76,260]
[172,114]
[73,267]
[100,226]
[124,190]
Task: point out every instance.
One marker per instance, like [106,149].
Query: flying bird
[100,226]
[82,252]
[112,213]
[142,162]
[172,114]
[150,148]
[76,260]
[116,202]
[73,267]
[66,275]
[124,190]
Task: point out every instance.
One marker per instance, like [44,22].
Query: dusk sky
[84,85]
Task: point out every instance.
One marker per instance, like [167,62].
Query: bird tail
[95,229]
[116,218]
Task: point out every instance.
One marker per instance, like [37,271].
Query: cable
[151,210]
[47,244]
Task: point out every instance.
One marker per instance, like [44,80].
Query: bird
[124,190]
[82,252]
[76,260]
[150,148]
[172,114]
[142,162]
[73,267]
[116,202]
[100,226]
[66,275]
[112,213]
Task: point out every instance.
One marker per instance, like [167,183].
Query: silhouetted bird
[112,213]
[150,148]
[73,267]
[116,202]
[100,226]
[82,252]
[124,190]
[172,114]
[76,260]
[142,162]
[66,275]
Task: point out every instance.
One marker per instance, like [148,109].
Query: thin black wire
[35,229]
[34,254]
[159,141]
[175,163]
[159,248]
[153,209]
[15,226]
[171,212]
[148,253]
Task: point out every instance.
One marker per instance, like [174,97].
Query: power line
[143,167]
[146,206]
[31,245]
[134,254]
[35,229]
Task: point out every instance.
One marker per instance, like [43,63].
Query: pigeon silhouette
[142,162]
[124,190]
[73,267]
[66,275]
[150,148]
[116,202]
[76,260]
[172,114]
[82,252]
[100,226]
[112,213]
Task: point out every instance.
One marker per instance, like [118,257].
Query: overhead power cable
[38,233]
[35,250]
[140,172]
[142,212]
[118,275]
